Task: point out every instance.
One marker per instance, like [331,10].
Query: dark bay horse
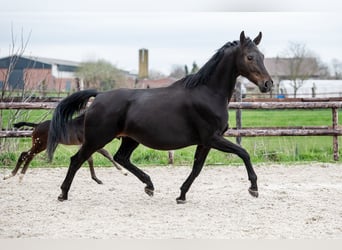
[39,142]
[192,111]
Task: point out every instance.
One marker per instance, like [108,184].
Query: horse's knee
[244,155]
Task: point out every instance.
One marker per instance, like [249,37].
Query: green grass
[277,118]
[11,116]
[284,149]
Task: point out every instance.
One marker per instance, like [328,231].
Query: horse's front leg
[200,156]
[219,143]
[76,162]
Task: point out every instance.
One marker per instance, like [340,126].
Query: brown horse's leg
[224,145]
[200,156]
[92,170]
[21,159]
[76,162]
[29,158]
[39,145]
[123,155]
[109,157]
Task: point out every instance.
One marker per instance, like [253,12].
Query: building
[155,83]
[282,70]
[312,88]
[38,73]
[285,68]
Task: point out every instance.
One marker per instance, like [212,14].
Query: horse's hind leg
[28,159]
[123,155]
[109,157]
[36,149]
[92,170]
[200,156]
[20,161]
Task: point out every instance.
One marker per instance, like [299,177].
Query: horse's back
[154,117]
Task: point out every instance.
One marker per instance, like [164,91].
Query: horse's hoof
[21,177]
[98,181]
[180,201]
[62,197]
[8,176]
[149,191]
[254,193]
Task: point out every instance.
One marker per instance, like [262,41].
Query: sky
[175,32]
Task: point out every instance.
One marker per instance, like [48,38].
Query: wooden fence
[334,130]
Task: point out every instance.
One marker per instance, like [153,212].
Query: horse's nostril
[269,84]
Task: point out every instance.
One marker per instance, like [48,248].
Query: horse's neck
[224,77]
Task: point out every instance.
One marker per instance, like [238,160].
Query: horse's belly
[164,141]
[164,144]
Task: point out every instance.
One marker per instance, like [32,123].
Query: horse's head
[250,63]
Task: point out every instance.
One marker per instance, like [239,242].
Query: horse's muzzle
[266,86]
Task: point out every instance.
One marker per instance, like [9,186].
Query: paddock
[295,202]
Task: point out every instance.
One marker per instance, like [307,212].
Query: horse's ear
[242,37]
[258,38]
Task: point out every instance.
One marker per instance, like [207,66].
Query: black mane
[203,75]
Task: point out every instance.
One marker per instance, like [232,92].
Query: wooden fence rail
[334,130]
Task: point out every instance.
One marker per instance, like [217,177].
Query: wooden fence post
[238,97]
[335,137]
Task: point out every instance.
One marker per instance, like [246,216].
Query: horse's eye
[250,58]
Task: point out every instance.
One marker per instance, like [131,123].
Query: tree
[15,51]
[17,48]
[337,67]
[186,69]
[301,64]
[194,68]
[155,74]
[177,71]
[100,74]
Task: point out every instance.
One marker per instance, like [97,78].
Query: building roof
[52,61]
[29,62]
[37,60]
[157,83]
[281,67]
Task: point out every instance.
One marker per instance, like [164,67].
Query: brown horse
[191,111]
[39,143]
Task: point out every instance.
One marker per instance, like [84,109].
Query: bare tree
[302,64]
[155,74]
[15,52]
[8,93]
[178,71]
[337,67]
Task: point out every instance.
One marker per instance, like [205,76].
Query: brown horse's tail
[63,114]
[28,124]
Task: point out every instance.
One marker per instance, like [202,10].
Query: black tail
[21,124]
[63,114]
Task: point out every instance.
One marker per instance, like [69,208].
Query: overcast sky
[175,32]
